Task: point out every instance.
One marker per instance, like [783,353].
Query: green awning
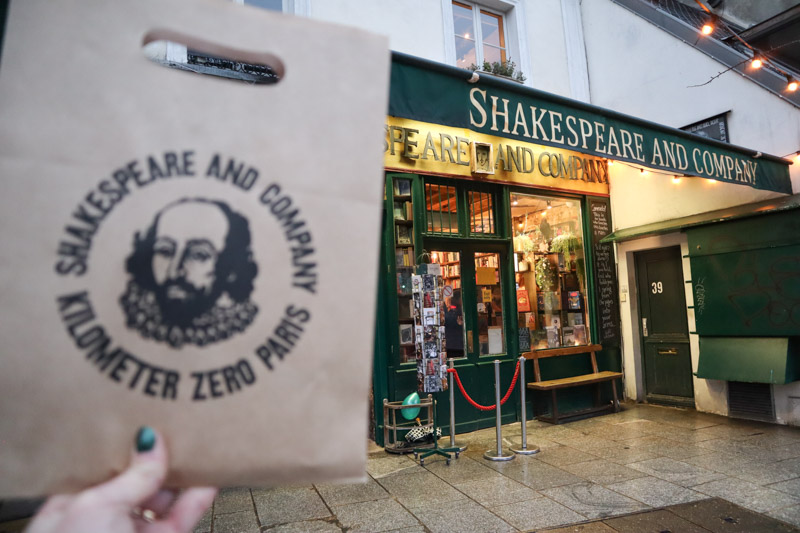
[774,360]
[440,94]
[766,207]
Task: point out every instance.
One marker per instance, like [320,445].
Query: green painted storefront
[436,94]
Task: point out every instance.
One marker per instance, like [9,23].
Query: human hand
[131,502]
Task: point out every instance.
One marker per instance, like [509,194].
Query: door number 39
[657,287]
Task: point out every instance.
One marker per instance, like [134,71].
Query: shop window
[481,213]
[479,35]
[550,272]
[489,301]
[440,209]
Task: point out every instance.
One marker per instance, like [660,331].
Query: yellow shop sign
[433,149]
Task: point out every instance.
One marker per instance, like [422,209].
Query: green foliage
[545,274]
[501,68]
[566,243]
[524,243]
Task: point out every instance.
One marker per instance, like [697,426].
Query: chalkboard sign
[605,274]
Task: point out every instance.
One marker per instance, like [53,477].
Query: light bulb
[707,28]
[756,62]
[548,205]
[792,86]
[676,179]
[643,172]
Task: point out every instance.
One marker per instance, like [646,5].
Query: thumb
[144,476]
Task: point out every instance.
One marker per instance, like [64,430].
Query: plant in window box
[545,274]
[567,244]
[503,69]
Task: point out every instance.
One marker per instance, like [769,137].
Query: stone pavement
[647,468]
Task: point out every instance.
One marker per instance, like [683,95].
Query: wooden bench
[596,377]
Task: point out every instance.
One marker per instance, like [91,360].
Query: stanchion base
[461,447]
[492,455]
[530,450]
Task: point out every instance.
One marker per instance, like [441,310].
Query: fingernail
[145,439]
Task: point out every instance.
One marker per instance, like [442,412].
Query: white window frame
[513,13]
[292,7]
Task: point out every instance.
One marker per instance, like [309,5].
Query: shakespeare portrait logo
[177,274]
[191,283]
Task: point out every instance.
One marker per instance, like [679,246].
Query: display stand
[422,453]
[391,442]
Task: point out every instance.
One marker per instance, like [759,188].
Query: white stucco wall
[632,201]
[413,26]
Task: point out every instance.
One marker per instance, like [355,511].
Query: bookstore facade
[500,194]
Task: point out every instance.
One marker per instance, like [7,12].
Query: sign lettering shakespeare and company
[504,110]
[190,274]
[434,149]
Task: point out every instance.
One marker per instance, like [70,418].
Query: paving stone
[593,501]
[232,501]
[536,514]
[603,472]
[563,455]
[591,527]
[374,516]
[748,495]
[462,516]
[202,526]
[279,506]
[677,472]
[656,492]
[460,470]
[389,464]
[790,515]
[537,475]
[497,490]
[653,522]
[722,431]
[416,490]
[315,526]
[765,474]
[622,430]
[351,493]
[791,486]
[726,463]
[720,516]
[588,443]
[241,522]
[625,454]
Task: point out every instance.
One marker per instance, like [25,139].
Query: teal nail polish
[145,439]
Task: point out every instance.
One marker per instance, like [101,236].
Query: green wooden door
[663,327]
[486,295]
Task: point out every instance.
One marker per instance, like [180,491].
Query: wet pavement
[644,469]
[647,468]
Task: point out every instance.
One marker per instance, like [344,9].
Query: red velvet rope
[475,404]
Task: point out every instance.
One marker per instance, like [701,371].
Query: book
[399,211]
[574,300]
[403,235]
[523,304]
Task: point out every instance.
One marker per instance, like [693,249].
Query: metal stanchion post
[498,454]
[524,450]
[453,444]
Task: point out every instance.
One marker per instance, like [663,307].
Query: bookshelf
[405,263]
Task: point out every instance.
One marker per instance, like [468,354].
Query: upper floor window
[479,35]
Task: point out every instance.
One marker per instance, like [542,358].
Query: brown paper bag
[186,251]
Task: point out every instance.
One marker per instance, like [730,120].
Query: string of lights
[759,57]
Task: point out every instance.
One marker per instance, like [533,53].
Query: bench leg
[614,392]
[554,403]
